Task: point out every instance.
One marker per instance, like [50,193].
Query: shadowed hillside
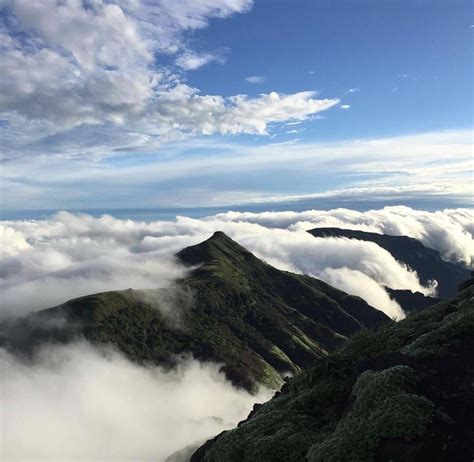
[404,393]
[259,322]
[426,262]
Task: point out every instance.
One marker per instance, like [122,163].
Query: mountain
[259,322]
[426,262]
[404,393]
[412,301]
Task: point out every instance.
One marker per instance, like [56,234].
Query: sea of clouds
[46,262]
[76,402]
[80,402]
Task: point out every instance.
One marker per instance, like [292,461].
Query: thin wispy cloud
[190,61]
[255,79]
[427,160]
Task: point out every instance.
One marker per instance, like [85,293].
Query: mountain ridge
[260,323]
[425,261]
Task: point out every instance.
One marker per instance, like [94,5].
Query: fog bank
[76,402]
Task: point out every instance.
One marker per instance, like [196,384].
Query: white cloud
[435,166]
[356,282]
[345,106]
[71,256]
[195,14]
[189,111]
[67,405]
[353,90]
[100,35]
[448,231]
[255,79]
[48,261]
[190,61]
[380,193]
[70,66]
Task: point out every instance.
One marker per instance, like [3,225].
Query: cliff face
[404,393]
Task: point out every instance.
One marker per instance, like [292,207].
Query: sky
[227,103]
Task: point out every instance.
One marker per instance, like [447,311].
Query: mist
[78,402]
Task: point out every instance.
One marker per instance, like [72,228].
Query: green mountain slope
[259,322]
[426,262]
[403,393]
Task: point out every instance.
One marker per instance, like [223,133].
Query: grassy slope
[257,321]
[404,393]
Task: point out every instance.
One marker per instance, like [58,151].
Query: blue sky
[411,61]
[133,103]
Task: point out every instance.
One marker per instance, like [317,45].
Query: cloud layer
[46,262]
[67,405]
[431,170]
[448,231]
[71,257]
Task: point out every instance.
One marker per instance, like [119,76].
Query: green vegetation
[383,408]
[403,393]
[258,322]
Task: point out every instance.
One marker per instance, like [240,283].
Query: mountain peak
[219,237]
[219,234]
[216,250]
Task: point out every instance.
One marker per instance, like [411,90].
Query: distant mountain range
[426,262]
[404,393]
[259,322]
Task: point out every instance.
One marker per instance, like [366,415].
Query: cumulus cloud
[46,262]
[345,106]
[237,114]
[95,66]
[66,405]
